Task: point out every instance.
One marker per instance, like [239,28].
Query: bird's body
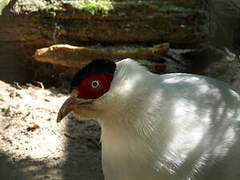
[167,127]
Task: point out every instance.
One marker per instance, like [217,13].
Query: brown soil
[33,146]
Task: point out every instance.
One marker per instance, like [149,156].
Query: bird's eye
[95,84]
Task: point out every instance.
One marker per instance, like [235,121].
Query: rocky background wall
[110,25]
[113,29]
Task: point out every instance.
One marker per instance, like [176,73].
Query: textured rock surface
[27,25]
[177,22]
[224,23]
[73,56]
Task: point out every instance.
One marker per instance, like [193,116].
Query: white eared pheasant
[159,127]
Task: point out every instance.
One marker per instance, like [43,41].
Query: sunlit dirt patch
[29,133]
[23,108]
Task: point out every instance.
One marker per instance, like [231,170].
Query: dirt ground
[33,146]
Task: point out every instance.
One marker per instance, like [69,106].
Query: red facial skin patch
[94,86]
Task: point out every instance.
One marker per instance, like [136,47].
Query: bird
[175,126]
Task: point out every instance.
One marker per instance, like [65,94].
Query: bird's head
[87,89]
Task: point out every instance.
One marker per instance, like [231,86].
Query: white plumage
[167,127]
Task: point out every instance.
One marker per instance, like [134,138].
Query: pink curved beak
[68,105]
